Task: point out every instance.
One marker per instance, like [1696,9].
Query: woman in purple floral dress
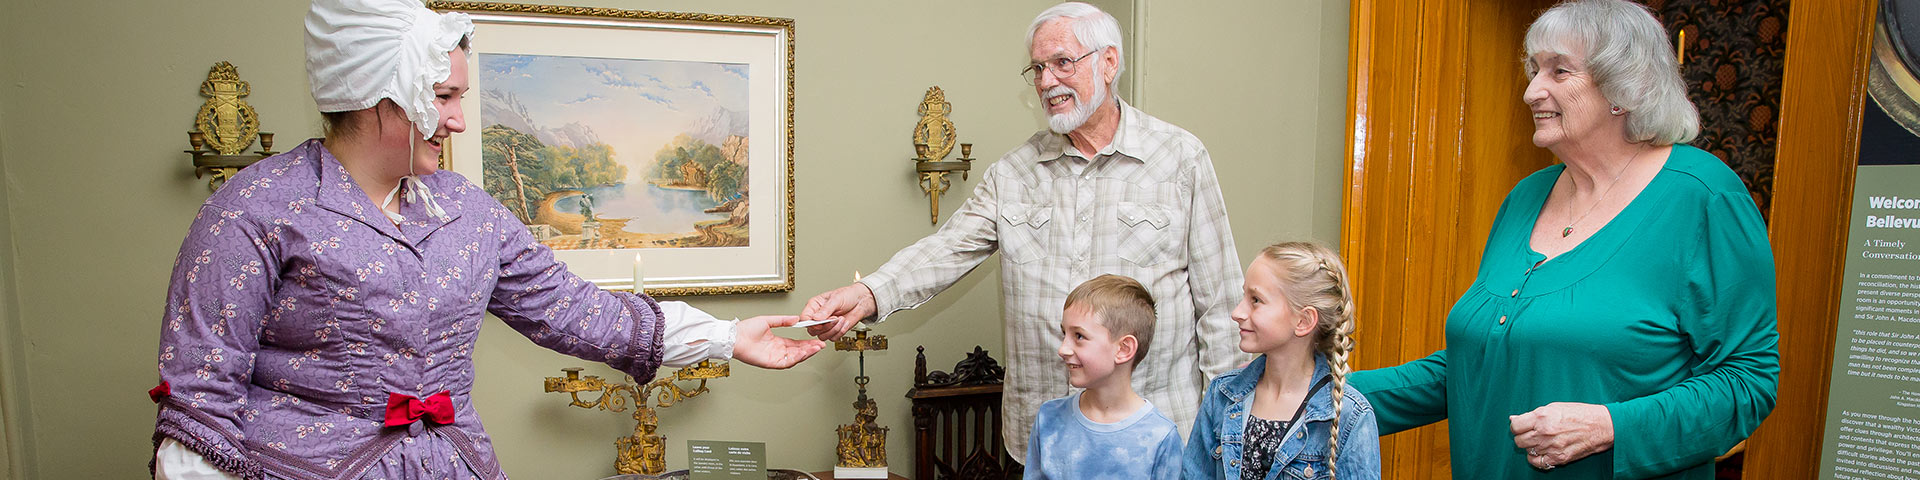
[324,307]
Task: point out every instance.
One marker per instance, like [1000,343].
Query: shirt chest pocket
[1024,233]
[1145,233]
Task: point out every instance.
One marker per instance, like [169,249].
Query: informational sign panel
[711,460]
[1873,409]
[1873,406]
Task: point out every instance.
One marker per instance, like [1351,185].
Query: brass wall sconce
[225,127]
[933,139]
[644,452]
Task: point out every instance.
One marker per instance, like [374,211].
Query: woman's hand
[755,344]
[1561,432]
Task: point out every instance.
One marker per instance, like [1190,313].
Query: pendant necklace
[1564,232]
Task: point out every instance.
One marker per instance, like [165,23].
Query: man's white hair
[1631,60]
[1094,28]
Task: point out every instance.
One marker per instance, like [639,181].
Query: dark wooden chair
[956,421]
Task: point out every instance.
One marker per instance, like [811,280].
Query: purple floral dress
[297,312]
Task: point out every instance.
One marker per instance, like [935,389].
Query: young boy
[1106,431]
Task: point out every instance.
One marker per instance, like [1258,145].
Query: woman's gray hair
[1627,51]
[1094,28]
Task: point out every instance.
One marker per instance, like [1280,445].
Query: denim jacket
[1215,449]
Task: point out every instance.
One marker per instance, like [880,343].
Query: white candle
[639,281]
[856,276]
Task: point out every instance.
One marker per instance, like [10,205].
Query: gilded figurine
[646,450]
[863,444]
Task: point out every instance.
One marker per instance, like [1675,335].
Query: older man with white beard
[1108,189]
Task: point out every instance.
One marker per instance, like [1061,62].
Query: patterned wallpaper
[1735,53]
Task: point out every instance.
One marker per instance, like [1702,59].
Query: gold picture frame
[620,133]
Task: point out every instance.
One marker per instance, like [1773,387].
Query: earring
[1618,111]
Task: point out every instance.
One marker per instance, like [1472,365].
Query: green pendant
[1566,231]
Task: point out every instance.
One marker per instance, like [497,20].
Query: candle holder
[225,126]
[644,452]
[933,139]
[862,448]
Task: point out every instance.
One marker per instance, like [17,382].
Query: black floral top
[1263,439]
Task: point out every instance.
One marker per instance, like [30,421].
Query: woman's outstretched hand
[755,344]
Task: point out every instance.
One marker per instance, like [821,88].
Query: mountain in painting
[716,126]
[506,110]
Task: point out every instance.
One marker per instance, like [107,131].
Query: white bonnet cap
[361,51]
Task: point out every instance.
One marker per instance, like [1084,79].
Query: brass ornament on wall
[933,139]
[231,120]
[934,129]
[224,127]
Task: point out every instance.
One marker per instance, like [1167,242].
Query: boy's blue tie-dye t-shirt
[1067,445]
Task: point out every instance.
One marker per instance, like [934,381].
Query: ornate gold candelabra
[933,139]
[644,452]
[862,448]
[225,127]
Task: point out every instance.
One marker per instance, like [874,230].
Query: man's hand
[755,344]
[844,306]
[1561,432]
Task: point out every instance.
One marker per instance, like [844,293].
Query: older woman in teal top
[1623,321]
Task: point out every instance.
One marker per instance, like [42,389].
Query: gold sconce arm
[706,369]
[573,383]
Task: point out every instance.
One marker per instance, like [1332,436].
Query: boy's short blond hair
[1122,305]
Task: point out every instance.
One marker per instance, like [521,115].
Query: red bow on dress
[404,409]
[159,392]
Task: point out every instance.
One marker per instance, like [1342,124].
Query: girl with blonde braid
[1290,409]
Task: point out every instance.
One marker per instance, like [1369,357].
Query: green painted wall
[97,196]
[1264,84]
[10,384]
[13,456]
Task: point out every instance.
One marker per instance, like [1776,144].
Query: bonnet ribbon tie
[416,193]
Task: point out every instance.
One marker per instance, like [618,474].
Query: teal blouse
[1665,316]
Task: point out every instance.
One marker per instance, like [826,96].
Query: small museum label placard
[715,460]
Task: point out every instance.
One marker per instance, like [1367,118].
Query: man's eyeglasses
[1061,67]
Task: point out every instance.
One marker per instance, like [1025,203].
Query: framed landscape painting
[637,143]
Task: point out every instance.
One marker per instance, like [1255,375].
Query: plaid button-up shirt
[1147,207]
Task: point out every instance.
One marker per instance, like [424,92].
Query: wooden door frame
[1823,91]
[1424,151]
